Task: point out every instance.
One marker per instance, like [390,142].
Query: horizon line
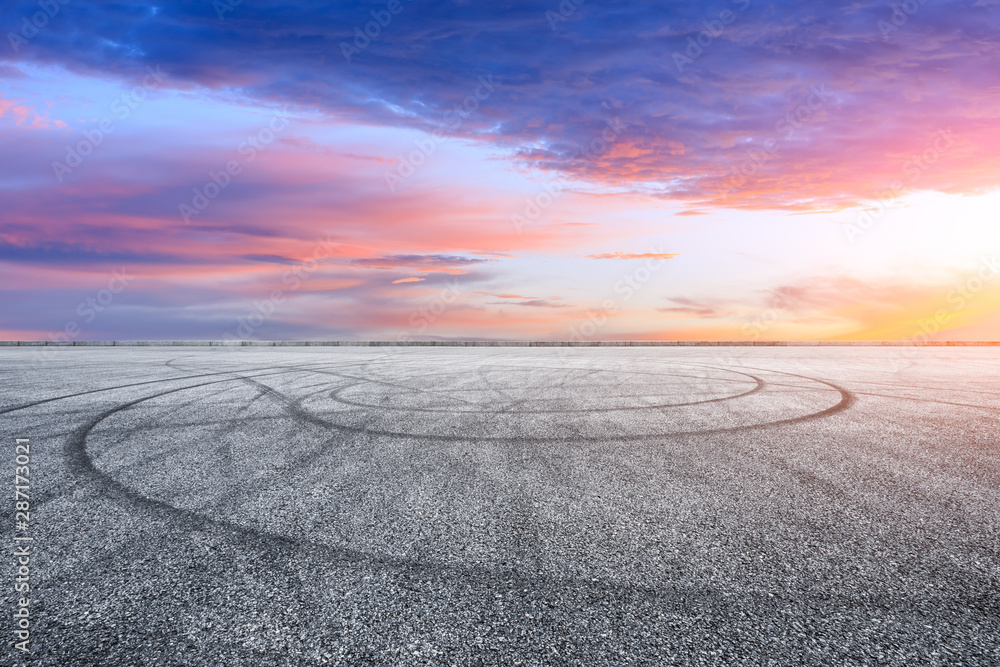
[486,343]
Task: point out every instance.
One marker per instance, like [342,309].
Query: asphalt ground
[505,506]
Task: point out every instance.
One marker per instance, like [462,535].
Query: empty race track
[505,506]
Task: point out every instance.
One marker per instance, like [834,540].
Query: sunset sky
[727,170]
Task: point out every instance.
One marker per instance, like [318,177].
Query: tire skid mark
[270,542]
[512,404]
[83,466]
[322,449]
[847,400]
[173,409]
[925,387]
[990,408]
[165,453]
[135,384]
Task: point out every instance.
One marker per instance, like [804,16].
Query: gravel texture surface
[506,506]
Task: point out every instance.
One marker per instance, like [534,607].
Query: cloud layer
[742,103]
[453,169]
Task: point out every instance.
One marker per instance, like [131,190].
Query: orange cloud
[958,306]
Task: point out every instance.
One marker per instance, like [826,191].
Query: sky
[574,170]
